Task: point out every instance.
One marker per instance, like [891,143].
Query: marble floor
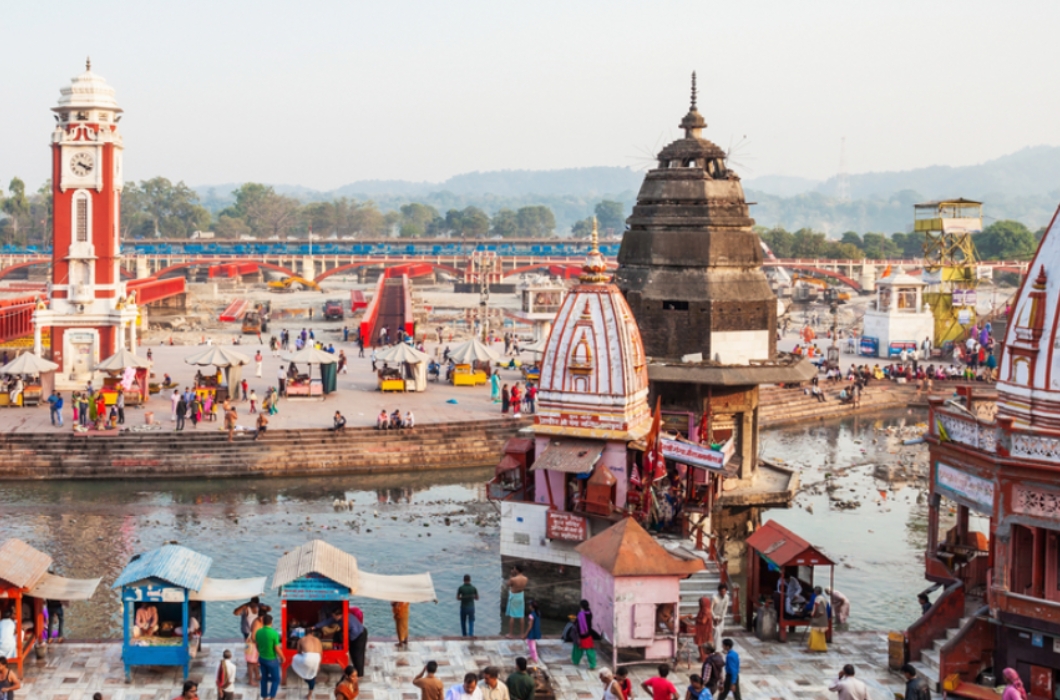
[770,671]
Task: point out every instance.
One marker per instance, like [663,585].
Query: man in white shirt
[849,687]
[226,677]
[719,608]
[492,687]
[468,690]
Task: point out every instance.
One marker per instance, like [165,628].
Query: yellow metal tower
[950,263]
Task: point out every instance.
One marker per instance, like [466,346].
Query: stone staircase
[928,666]
[781,406]
[207,453]
[703,583]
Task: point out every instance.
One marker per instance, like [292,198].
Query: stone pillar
[308,267]
[868,276]
[132,336]
[38,342]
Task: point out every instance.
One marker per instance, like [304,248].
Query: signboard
[697,455]
[964,297]
[565,526]
[965,486]
[870,347]
[895,349]
[586,421]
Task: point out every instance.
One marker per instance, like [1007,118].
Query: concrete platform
[770,671]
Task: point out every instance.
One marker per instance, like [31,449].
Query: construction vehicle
[287,283]
[828,293]
[256,321]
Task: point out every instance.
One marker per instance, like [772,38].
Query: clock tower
[88,312]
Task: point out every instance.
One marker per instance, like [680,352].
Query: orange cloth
[401,620]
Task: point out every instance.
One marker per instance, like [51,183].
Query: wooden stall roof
[316,557]
[626,549]
[172,563]
[569,456]
[22,565]
[507,464]
[783,547]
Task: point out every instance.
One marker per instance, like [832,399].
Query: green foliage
[504,224]
[1005,240]
[470,222]
[582,229]
[535,222]
[418,220]
[263,211]
[611,217]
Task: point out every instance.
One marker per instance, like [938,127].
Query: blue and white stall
[169,585]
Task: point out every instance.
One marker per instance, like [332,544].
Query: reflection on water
[439,522]
[408,523]
[879,544]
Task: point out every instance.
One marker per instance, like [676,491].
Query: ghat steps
[206,452]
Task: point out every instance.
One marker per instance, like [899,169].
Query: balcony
[964,430]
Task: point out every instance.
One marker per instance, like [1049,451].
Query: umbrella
[120,360]
[538,346]
[309,355]
[218,356]
[402,352]
[28,363]
[473,350]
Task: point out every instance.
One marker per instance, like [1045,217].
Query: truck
[333,310]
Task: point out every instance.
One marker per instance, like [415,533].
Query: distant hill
[1024,185]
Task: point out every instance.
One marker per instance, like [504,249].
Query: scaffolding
[951,265]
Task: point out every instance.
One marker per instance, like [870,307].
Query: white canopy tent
[121,360]
[402,353]
[473,350]
[229,361]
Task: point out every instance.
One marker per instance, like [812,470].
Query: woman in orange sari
[348,689]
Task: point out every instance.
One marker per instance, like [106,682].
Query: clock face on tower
[81,164]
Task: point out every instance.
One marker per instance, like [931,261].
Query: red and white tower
[88,311]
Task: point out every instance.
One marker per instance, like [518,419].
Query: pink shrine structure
[995,465]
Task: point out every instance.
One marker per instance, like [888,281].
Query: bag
[568,633]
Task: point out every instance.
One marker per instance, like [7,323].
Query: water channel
[440,522]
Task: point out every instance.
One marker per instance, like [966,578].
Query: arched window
[81,217]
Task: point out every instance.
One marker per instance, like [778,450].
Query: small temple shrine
[997,456]
[900,319]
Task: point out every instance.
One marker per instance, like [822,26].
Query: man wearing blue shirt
[732,671]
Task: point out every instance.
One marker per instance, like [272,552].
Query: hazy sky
[326,93]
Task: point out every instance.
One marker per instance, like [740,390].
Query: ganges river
[440,522]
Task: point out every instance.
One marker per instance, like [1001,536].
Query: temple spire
[595,237]
[594,271]
[88,67]
[694,91]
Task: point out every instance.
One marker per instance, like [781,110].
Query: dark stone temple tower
[690,267]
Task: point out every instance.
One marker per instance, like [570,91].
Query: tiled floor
[771,671]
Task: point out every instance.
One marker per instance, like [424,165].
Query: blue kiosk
[163,593]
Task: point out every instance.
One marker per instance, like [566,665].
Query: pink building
[634,588]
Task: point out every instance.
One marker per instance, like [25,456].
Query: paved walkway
[770,671]
[357,397]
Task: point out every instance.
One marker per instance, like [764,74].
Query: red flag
[634,476]
[654,464]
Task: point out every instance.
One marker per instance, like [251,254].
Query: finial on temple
[693,91]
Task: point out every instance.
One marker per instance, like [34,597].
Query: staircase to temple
[781,406]
[703,583]
[207,453]
[928,665]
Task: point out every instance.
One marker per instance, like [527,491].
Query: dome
[87,91]
[1029,375]
[594,377]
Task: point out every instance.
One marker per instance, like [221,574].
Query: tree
[417,219]
[470,222]
[878,247]
[582,229]
[264,211]
[158,207]
[230,227]
[808,244]
[611,216]
[1005,240]
[16,206]
[504,224]
[851,238]
[535,222]
[910,245]
[780,242]
[320,217]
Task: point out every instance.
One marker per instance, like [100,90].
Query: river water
[440,522]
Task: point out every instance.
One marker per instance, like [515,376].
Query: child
[253,401]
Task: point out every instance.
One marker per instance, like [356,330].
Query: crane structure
[951,265]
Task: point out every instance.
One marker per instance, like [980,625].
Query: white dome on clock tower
[88,91]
